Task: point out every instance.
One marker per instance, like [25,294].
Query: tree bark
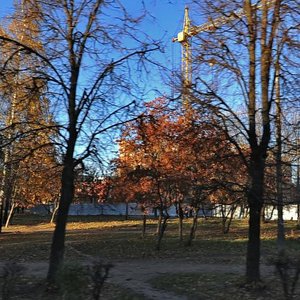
[144,211]
[227,218]
[159,222]
[55,208]
[253,249]
[258,144]
[270,216]
[58,240]
[255,200]
[144,224]
[298,192]
[194,227]
[279,175]
[180,220]
[165,217]
[10,214]
[8,191]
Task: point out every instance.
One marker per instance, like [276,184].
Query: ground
[136,274]
[212,268]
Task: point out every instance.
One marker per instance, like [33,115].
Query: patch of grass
[113,238]
[24,219]
[218,287]
[74,281]
[132,246]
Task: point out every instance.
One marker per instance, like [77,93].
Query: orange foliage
[168,157]
[89,188]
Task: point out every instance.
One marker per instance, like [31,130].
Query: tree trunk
[55,208]
[224,217]
[144,224]
[67,181]
[1,214]
[255,201]
[243,211]
[194,227]
[6,209]
[10,214]
[159,222]
[270,216]
[180,220]
[298,215]
[253,249]
[227,219]
[279,175]
[126,211]
[263,214]
[58,240]
[8,191]
[298,192]
[163,227]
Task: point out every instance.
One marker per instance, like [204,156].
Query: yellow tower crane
[188,31]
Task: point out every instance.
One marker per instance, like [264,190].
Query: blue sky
[168,14]
[5,7]
[166,22]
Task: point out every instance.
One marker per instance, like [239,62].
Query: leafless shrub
[99,273]
[289,271]
[72,281]
[81,282]
[10,273]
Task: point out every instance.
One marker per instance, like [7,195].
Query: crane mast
[186,54]
[188,31]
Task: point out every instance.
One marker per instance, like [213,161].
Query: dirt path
[135,274]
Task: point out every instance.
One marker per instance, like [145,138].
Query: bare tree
[91,55]
[235,67]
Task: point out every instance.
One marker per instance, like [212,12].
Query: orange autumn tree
[91,188]
[171,157]
[37,179]
[30,171]
[146,163]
